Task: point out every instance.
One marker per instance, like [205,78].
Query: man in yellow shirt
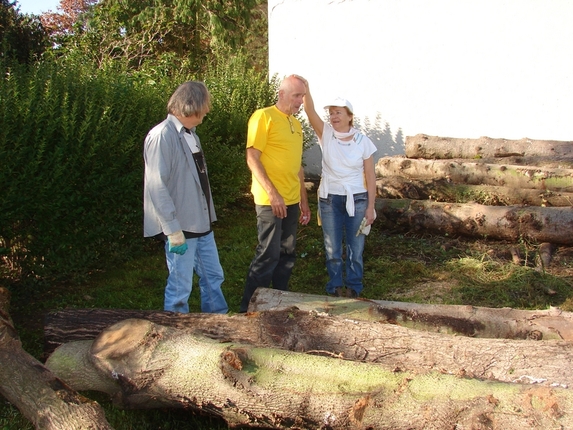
[274,155]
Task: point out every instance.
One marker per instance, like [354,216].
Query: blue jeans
[338,226]
[203,258]
[275,253]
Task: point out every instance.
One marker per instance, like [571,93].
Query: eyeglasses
[291,126]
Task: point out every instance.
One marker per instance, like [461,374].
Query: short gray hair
[189,98]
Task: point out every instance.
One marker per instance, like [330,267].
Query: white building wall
[457,68]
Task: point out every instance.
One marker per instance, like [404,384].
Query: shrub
[71,139]
[71,192]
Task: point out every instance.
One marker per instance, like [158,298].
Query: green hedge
[71,148]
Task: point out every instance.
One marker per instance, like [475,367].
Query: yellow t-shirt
[279,138]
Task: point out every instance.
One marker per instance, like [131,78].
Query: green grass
[404,267]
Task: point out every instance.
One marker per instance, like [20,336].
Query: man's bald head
[291,91]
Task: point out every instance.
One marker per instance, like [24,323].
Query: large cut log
[459,320]
[388,345]
[478,173]
[431,147]
[512,223]
[442,190]
[150,366]
[40,396]
[69,325]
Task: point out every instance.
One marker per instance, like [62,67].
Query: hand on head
[301,78]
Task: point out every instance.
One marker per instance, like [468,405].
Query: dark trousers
[275,253]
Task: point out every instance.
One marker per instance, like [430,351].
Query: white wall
[457,68]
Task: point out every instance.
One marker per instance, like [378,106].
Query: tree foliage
[22,37]
[62,22]
[144,34]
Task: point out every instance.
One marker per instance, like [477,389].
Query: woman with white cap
[347,192]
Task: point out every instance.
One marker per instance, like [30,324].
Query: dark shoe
[339,292]
[351,293]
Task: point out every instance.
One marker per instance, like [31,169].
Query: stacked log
[315,362]
[305,362]
[495,188]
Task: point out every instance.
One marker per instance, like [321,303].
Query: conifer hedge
[71,143]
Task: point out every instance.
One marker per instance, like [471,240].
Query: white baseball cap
[340,102]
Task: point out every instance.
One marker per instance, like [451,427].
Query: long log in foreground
[424,146]
[41,397]
[478,173]
[151,366]
[512,223]
[390,346]
[441,190]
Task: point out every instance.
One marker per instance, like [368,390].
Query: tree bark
[431,147]
[157,366]
[70,325]
[511,223]
[458,320]
[440,190]
[276,323]
[478,173]
[41,397]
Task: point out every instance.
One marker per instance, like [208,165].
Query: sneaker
[339,292]
[351,293]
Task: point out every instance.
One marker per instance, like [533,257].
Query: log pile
[310,362]
[148,365]
[304,362]
[495,188]
[408,336]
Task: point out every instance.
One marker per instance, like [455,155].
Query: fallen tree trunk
[474,220]
[459,320]
[41,397]
[441,190]
[431,147]
[151,366]
[389,345]
[477,173]
[70,325]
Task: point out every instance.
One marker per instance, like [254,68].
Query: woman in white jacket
[347,193]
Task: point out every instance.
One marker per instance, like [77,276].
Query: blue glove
[177,243]
[180,249]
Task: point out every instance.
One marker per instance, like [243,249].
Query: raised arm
[315,121]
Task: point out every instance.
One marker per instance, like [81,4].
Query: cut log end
[121,338]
